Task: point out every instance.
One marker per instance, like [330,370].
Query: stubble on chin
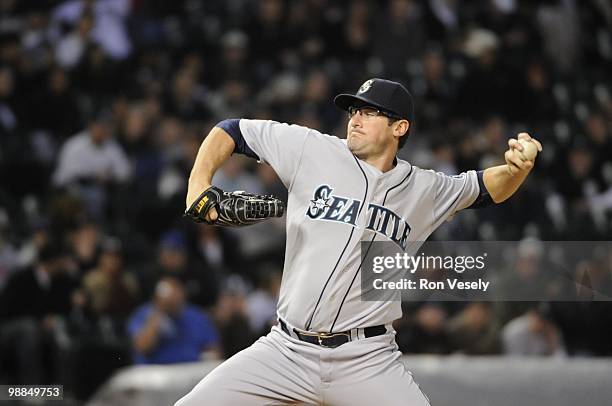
[352,144]
[356,148]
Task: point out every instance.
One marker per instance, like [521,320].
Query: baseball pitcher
[329,347]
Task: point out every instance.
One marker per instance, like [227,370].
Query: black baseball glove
[235,209]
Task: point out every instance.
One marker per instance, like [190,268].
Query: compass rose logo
[322,201]
[366,86]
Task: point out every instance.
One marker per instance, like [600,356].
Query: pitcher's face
[369,132]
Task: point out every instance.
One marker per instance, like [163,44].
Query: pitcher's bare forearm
[501,183]
[215,150]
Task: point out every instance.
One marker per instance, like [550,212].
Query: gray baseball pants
[279,370]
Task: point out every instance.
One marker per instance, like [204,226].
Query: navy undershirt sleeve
[484,198]
[232,127]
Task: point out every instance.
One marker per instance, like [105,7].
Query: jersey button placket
[377,195]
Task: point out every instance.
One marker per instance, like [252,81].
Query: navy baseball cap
[386,95]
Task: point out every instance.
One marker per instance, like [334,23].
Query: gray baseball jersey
[335,202]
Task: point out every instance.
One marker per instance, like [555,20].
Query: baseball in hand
[530,150]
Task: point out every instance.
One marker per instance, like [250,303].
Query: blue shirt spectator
[168,330]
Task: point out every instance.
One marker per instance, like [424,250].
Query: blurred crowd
[103,106]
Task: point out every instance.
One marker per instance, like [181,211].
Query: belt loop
[355,334]
[284,326]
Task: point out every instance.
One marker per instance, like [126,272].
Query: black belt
[332,340]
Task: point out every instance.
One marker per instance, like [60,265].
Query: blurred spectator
[109,22]
[234,53]
[424,332]
[533,333]
[216,249]
[85,245]
[101,307]
[261,303]
[558,25]
[525,280]
[170,135]
[71,48]
[231,317]
[135,128]
[266,32]
[506,19]
[600,143]
[234,176]
[111,291]
[9,119]
[8,255]
[186,99]
[55,108]
[474,331]
[541,106]
[99,77]
[33,308]
[34,39]
[586,325]
[492,135]
[311,31]
[173,260]
[357,41]
[401,23]
[30,249]
[317,93]
[272,185]
[443,161]
[232,100]
[434,89]
[442,18]
[91,161]
[92,156]
[169,329]
[145,158]
[478,93]
[593,277]
[578,187]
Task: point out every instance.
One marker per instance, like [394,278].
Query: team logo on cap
[366,86]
